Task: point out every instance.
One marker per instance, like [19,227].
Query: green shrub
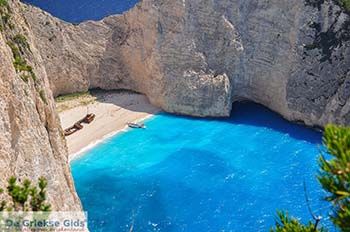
[335,174]
[25,196]
[334,177]
[19,62]
[21,40]
[346,4]
[290,224]
[3,3]
[72,96]
[14,49]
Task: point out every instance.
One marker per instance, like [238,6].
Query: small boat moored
[136,125]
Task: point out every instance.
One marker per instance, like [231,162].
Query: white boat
[136,125]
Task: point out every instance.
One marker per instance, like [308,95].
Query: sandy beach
[112,109]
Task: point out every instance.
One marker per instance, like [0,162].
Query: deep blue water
[76,11]
[198,175]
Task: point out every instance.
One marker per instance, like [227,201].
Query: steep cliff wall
[31,140]
[188,56]
[198,56]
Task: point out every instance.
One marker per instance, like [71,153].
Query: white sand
[113,110]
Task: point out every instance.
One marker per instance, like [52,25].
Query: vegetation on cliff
[20,48]
[346,4]
[3,3]
[4,15]
[25,196]
[335,179]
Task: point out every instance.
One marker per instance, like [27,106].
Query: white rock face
[198,56]
[32,143]
[190,57]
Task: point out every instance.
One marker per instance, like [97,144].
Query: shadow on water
[253,114]
[247,113]
[155,183]
[260,116]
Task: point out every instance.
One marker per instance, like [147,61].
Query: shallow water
[187,174]
[76,11]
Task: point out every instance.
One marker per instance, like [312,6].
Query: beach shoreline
[93,144]
[113,110]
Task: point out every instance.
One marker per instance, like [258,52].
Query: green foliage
[14,49]
[4,16]
[19,63]
[72,96]
[346,4]
[335,179]
[39,197]
[335,174]
[25,196]
[18,193]
[21,40]
[290,224]
[3,3]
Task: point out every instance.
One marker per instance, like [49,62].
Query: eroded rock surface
[190,57]
[198,56]
[32,143]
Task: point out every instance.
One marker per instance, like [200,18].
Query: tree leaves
[335,174]
[334,177]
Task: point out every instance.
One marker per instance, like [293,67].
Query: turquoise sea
[197,175]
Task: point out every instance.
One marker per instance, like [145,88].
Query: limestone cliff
[31,140]
[198,56]
[188,56]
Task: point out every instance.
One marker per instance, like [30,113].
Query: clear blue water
[197,175]
[76,11]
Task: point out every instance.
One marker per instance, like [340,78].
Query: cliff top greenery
[334,177]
